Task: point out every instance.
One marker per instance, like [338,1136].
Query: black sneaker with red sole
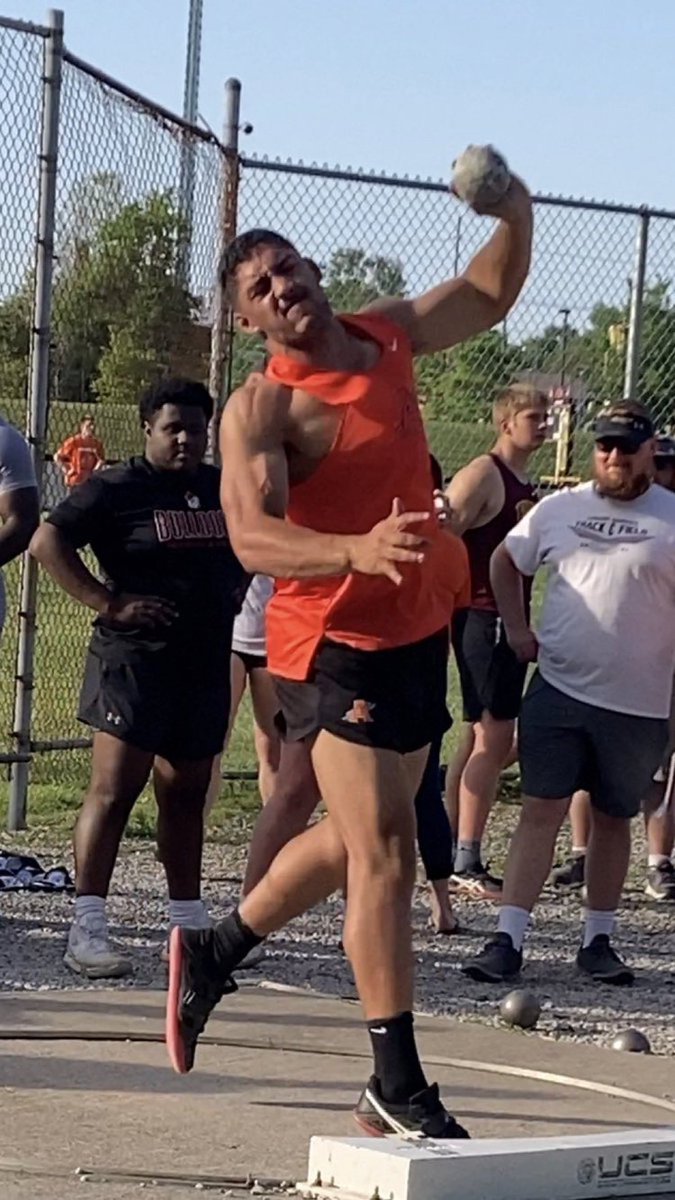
[423,1116]
[196,985]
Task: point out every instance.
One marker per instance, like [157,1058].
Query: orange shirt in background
[380,453]
[80,455]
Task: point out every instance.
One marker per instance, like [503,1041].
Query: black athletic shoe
[423,1116]
[661,882]
[603,964]
[476,883]
[196,985]
[570,874]
[497,962]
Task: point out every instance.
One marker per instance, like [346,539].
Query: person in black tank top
[488,497]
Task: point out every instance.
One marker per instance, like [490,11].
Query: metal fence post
[190,114]
[227,228]
[38,397]
[636,306]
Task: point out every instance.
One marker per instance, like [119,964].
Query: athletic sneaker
[570,874]
[661,881]
[196,984]
[253,959]
[497,962]
[476,883]
[423,1116]
[89,951]
[603,964]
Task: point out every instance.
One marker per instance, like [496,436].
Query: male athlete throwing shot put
[327,487]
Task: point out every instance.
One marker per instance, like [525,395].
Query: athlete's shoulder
[259,406]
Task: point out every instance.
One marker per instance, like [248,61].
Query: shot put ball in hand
[480,176]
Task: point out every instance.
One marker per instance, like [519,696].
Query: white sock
[89,906]
[657,860]
[513,921]
[188,914]
[598,922]
[579,851]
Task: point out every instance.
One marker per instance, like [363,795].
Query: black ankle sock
[232,941]
[396,1062]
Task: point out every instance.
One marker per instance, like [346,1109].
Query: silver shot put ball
[480,176]
[632,1041]
[520,1009]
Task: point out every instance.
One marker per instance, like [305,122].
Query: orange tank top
[380,453]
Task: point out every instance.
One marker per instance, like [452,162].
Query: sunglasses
[606,445]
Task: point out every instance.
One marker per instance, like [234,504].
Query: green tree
[354,279]
[120,309]
[460,384]
[15,320]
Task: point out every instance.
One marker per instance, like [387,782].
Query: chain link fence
[569,330]
[140,207]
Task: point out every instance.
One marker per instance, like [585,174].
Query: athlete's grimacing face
[279,295]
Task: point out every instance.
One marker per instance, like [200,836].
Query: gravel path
[33,926]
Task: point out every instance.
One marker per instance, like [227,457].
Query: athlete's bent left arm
[483,294]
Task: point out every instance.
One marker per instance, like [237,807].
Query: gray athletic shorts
[565,745]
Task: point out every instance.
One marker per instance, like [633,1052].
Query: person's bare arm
[253,432]
[19,513]
[61,560]
[483,294]
[507,585]
[472,493]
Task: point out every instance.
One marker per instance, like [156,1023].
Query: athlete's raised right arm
[254,430]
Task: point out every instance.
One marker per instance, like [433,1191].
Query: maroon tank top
[483,541]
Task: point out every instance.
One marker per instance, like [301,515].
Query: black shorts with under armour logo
[170,702]
[388,699]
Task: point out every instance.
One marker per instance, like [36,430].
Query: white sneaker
[89,951]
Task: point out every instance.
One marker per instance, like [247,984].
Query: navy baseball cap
[630,428]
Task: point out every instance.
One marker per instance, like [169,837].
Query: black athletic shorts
[490,675]
[251,662]
[565,745]
[388,699]
[167,701]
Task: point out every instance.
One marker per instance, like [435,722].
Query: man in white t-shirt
[596,713]
[19,510]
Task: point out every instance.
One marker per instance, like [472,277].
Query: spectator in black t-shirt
[156,682]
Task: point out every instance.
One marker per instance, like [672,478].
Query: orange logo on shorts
[359,713]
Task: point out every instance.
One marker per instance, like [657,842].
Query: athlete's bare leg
[454,774]
[237,689]
[286,814]
[265,735]
[580,820]
[493,743]
[370,796]
[307,870]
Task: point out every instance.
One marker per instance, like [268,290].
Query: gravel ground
[33,927]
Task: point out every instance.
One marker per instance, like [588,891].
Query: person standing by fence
[487,498]
[81,454]
[156,689]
